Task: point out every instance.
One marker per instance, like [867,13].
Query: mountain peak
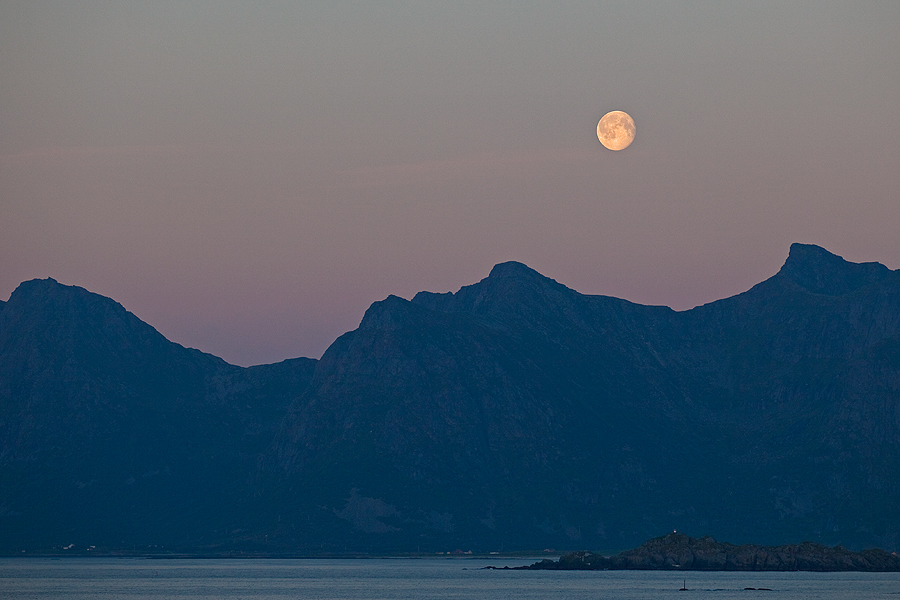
[512,269]
[40,294]
[33,286]
[506,283]
[819,271]
[50,293]
[389,314]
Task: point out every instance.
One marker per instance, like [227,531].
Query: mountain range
[514,414]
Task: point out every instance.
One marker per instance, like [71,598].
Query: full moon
[616,130]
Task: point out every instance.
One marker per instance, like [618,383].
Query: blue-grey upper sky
[248,177]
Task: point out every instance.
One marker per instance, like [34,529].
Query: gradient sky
[248,177]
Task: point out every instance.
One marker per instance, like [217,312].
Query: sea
[406,579]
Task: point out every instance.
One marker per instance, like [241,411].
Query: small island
[679,552]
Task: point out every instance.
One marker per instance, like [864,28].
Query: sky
[248,177]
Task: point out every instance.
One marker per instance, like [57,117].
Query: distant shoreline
[679,552]
[286,556]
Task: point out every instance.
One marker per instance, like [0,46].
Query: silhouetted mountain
[520,413]
[113,435]
[515,413]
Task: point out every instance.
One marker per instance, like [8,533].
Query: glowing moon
[616,130]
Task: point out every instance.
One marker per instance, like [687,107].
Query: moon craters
[616,130]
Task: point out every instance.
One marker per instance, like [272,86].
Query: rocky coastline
[679,552]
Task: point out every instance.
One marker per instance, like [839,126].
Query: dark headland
[679,552]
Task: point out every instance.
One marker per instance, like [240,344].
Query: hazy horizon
[248,179]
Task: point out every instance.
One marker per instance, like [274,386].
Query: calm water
[404,579]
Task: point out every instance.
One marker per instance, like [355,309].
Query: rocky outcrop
[679,552]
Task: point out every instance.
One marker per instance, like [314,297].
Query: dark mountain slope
[519,410]
[515,413]
[114,435]
[470,424]
[806,379]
